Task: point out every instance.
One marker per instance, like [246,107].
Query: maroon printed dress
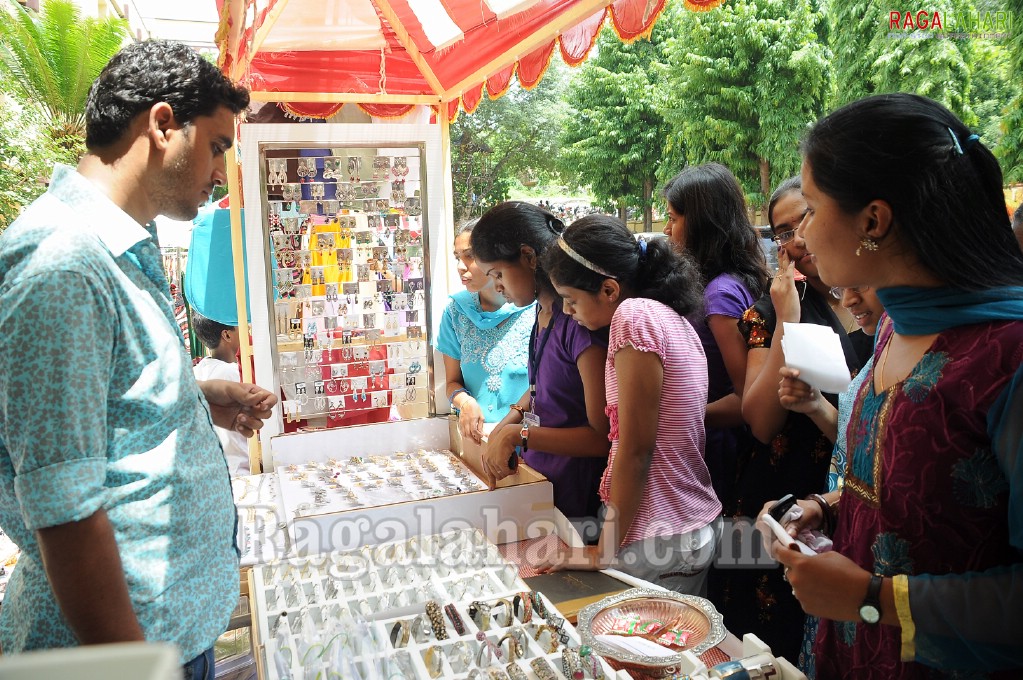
[924,493]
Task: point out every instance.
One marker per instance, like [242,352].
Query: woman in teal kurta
[484,340]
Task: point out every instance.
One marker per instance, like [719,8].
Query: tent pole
[238,252]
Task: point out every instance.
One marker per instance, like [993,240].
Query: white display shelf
[341,613]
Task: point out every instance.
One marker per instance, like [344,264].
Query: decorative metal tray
[674,610]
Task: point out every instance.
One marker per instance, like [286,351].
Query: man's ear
[160,122]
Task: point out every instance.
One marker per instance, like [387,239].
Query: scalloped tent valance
[390,55]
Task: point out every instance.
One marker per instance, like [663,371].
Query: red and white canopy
[388,55]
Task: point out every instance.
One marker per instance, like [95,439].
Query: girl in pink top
[661,507]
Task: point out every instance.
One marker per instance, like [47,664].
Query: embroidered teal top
[492,349]
[99,409]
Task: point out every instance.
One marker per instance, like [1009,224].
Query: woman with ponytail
[661,507]
[559,425]
[707,217]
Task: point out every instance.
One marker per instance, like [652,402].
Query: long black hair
[502,231]
[944,186]
[719,235]
[653,269]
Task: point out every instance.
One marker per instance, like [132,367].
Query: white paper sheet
[817,352]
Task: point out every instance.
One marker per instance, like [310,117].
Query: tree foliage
[744,82]
[614,137]
[513,137]
[1010,148]
[51,60]
[27,154]
[870,58]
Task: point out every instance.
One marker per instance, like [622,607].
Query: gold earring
[867,244]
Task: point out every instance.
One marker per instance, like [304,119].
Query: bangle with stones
[456,618]
[486,645]
[538,605]
[516,673]
[479,612]
[553,646]
[523,600]
[571,665]
[542,669]
[586,653]
[440,631]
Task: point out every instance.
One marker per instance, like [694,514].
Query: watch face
[870,614]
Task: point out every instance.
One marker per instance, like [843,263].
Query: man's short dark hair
[208,331]
[150,72]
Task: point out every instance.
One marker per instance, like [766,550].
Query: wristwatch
[870,610]
[524,434]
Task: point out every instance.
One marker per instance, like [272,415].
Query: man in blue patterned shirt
[112,481]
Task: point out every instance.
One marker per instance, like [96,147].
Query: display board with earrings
[347,242]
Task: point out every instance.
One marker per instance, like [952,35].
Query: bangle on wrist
[827,518]
[451,399]
[516,407]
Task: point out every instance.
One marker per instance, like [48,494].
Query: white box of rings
[439,606]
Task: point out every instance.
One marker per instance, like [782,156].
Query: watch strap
[873,597]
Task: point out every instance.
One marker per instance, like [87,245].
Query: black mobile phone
[778,510]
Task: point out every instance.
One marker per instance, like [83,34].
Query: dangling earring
[867,244]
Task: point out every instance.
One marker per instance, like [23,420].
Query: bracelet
[527,607]
[827,518]
[516,407]
[509,611]
[542,669]
[456,619]
[451,399]
[436,620]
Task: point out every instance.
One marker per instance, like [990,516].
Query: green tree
[614,137]
[873,57]
[990,88]
[513,137]
[51,60]
[744,82]
[1010,148]
[27,154]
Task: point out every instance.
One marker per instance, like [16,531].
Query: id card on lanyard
[535,356]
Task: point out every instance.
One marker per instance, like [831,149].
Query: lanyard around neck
[536,353]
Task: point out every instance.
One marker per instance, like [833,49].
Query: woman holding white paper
[795,395]
[790,454]
[926,572]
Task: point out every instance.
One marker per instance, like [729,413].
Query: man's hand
[241,407]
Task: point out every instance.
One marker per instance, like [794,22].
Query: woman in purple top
[707,218]
[560,421]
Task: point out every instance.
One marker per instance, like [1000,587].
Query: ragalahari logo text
[924,24]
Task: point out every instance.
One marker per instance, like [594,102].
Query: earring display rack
[345,232]
[358,482]
[445,605]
